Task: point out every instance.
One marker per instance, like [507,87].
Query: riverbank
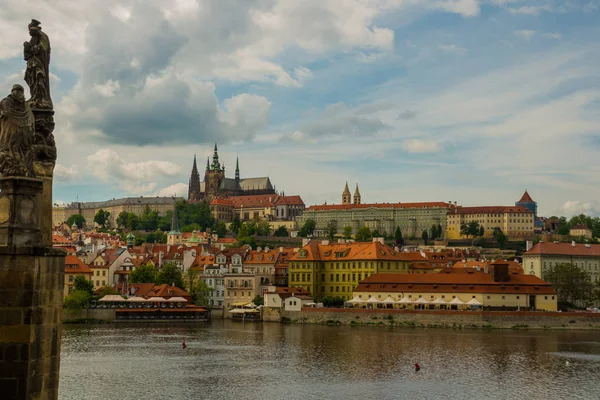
[437,319]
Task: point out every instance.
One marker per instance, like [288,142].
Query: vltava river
[231,360]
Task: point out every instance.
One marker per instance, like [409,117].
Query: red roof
[565,249]
[74,265]
[262,200]
[526,198]
[326,207]
[291,200]
[224,202]
[491,210]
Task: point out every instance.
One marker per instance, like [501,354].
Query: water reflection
[228,360]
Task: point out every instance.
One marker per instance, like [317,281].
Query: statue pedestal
[31,296]
[20,211]
[44,171]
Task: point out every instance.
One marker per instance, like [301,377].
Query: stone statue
[17,124]
[37,74]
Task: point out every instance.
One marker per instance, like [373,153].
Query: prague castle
[216,185]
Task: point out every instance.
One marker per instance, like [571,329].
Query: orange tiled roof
[327,207]
[565,249]
[290,200]
[74,265]
[261,200]
[317,251]
[222,202]
[526,198]
[261,257]
[491,210]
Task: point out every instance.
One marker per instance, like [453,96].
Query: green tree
[133,222]
[472,229]
[84,284]
[171,275]
[77,300]
[234,226]
[149,219]
[363,234]
[122,219]
[500,237]
[376,234]
[331,229]
[263,228]
[198,289]
[105,291]
[572,284]
[102,218]
[425,237]
[398,239]
[221,229]
[143,274]
[347,234]
[246,240]
[259,300]
[164,223]
[76,219]
[308,228]
[281,232]
[332,301]
[194,216]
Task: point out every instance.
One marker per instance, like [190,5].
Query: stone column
[31,296]
[44,170]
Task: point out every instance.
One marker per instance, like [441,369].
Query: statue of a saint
[37,75]
[17,125]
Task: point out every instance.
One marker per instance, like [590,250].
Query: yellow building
[546,255]
[334,269]
[74,267]
[514,221]
[581,230]
[496,290]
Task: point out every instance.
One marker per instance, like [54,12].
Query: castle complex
[216,185]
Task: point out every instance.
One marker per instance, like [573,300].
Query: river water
[234,360]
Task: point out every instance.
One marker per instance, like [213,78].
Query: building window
[517,297]
[488,297]
[545,297]
[502,297]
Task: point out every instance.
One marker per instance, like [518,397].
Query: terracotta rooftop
[261,257]
[491,210]
[316,250]
[526,198]
[327,207]
[565,249]
[74,265]
[290,200]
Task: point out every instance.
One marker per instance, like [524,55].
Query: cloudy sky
[472,101]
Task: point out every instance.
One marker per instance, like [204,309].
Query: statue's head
[34,27]
[18,93]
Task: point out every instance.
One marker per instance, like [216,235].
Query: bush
[78,299]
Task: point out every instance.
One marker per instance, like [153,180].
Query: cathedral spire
[215,162]
[174,221]
[237,169]
[194,167]
[346,197]
[356,195]
[208,163]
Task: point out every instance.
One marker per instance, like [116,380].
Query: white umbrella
[237,311]
[177,300]
[136,299]
[389,300]
[373,300]
[474,302]
[405,300]
[421,300]
[112,298]
[456,300]
[157,299]
[251,305]
[439,301]
[356,300]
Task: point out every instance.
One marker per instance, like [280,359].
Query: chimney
[573,243]
[341,241]
[281,249]
[486,269]
[266,249]
[258,249]
[325,242]
[305,241]
[160,259]
[501,272]
[528,245]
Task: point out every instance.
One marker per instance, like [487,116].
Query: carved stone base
[20,211]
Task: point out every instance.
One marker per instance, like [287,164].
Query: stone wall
[98,314]
[439,319]
[31,298]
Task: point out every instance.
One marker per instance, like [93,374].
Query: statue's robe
[16,138]
[37,74]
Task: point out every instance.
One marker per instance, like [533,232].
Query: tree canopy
[76,219]
[83,284]
[331,229]
[308,228]
[472,229]
[572,284]
[347,232]
[143,274]
[500,237]
[102,218]
[363,234]
[171,275]
[398,239]
[281,232]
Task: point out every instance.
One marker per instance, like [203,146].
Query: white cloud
[530,10]
[421,146]
[466,8]
[65,174]
[524,33]
[576,207]
[177,190]
[553,35]
[107,89]
[452,48]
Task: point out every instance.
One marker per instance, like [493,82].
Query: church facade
[216,185]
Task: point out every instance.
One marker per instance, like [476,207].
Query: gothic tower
[237,169]
[356,195]
[194,185]
[346,197]
[213,176]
